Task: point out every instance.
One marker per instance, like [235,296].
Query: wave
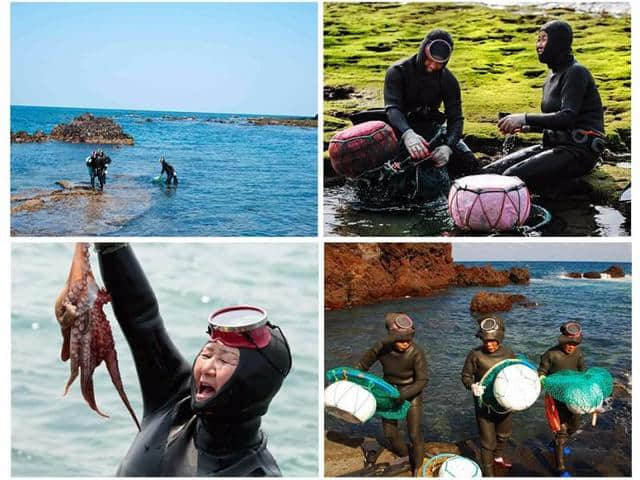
[604,277]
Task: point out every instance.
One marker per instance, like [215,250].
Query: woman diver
[572,118]
[203,419]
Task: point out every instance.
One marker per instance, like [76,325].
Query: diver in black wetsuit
[566,355]
[414,89]
[572,118]
[405,366]
[97,165]
[187,431]
[494,428]
[169,170]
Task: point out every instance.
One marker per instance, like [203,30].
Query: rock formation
[485,302]
[614,271]
[365,273]
[83,129]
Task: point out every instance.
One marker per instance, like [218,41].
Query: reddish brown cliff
[365,273]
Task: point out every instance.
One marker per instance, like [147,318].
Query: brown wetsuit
[494,428]
[408,372]
[556,360]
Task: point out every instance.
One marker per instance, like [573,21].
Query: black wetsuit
[170,171]
[173,441]
[570,103]
[495,428]
[408,372]
[552,361]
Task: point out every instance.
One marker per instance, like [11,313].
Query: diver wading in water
[201,419]
[97,164]
[403,365]
[494,428]
[572,118]
[566,355]
[414,89]
[167,168]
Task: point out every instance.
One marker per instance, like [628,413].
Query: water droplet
[205,299]
[35,326]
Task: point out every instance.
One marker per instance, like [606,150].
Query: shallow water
[445,330]
[235,178]
[54,435]
[344,216]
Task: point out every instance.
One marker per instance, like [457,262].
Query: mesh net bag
[387,405]
[362,148]
[582,392]
[488,398]
[487,203]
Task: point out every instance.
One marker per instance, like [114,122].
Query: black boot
[559,454]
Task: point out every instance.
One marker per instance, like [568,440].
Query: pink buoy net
[362,147]
[489,203]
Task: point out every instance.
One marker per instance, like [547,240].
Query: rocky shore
[85,128]
[361,274]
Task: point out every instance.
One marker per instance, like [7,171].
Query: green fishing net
[488,398]
[582,392]
[387,405]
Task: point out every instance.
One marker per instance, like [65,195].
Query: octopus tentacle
[87,337]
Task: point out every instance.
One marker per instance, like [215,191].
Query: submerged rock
[485,302]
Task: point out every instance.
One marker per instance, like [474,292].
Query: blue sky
[220,57]
[542,251]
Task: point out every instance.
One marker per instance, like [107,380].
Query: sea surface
[446,331]
[236,179]
[58,436]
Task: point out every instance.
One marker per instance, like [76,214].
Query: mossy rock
[494,57]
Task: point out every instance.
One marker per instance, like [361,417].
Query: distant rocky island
[285,121]
[83,129]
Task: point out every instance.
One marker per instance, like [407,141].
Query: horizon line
[173,111]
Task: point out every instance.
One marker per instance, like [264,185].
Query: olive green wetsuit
[494,428]
[556,360]
[408,372]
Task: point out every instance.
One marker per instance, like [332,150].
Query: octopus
[87,339]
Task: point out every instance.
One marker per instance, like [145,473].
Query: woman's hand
[512,123]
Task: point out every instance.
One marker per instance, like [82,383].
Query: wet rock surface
[85,128]
[76,207]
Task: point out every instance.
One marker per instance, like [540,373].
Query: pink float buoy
[487,203]
[362,147]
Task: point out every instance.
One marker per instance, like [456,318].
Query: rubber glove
[512,123]
[477,389]
[441,155]
[417,146]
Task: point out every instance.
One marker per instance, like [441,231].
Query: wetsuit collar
[218,438]
[562,66]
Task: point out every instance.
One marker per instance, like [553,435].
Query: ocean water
[54,435]
[446,331]
[235,179]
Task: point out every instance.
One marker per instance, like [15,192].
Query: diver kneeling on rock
[566,355]
[403,365]
[495,428]
[201,419]
[572,118]
[414,90]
